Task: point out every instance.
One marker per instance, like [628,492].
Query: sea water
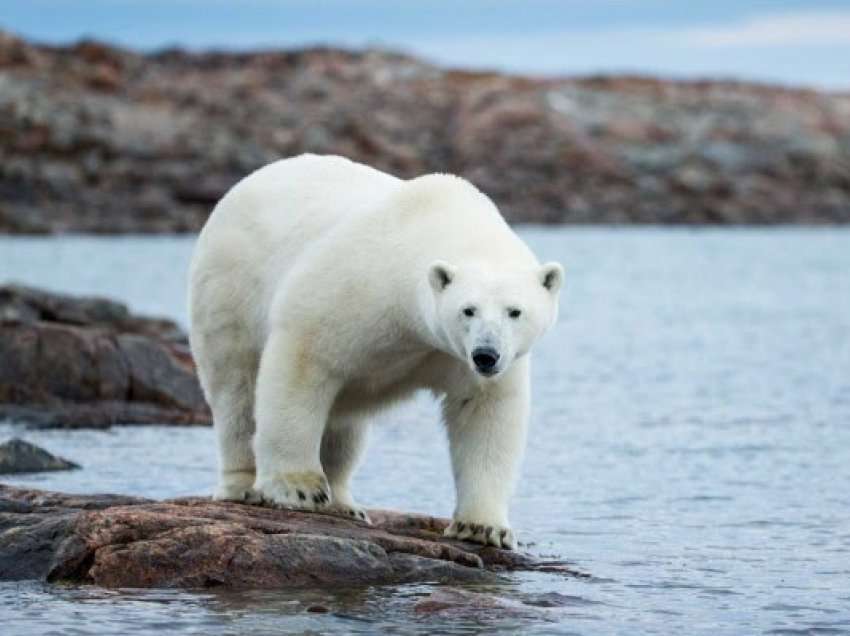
[689,447]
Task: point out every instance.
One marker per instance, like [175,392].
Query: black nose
[485,359]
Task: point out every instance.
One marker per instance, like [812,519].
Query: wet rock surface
[100,139]
[482,604]
[115,541]
[457,603]
[74,362]
[19,456]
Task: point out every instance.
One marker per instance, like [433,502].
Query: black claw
[503,534]
[361,515]
[489,531]
[461,527]
[350,513]
[301,495]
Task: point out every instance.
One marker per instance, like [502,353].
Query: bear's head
[490,318]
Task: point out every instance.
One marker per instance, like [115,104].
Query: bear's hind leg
[343,444]
[232,402]
[293,400]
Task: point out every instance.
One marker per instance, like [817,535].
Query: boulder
[19,456]
[88,362]
[115,541]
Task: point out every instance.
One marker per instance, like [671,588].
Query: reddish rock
[116,541]
[101,139]
[87,362]
[467,604]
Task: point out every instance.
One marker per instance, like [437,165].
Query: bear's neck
[428,327]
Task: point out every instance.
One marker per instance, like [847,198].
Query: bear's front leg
[294,397]
[487,438]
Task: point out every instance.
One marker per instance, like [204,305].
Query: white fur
[323,290]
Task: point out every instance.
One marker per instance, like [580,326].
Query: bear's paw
[298,491]
[237,486]
[483,533]
[349,510]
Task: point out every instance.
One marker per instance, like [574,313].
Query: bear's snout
[485,360]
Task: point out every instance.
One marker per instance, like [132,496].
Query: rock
[482,606]
[101,139]
[555,599]
[19,456]
[74,362]
[115,541]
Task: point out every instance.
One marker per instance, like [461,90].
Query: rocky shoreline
[126,542]
[100,139]
[85,362]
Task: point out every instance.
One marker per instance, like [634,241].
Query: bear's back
[304,195]
[269,221]
[273,215]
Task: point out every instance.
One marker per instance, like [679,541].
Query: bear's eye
[469,311]
[514,313]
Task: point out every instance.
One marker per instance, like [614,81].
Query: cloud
[810,48]
[808,28]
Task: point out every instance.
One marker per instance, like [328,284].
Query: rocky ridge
[95,138]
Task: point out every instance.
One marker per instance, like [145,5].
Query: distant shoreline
[99,139]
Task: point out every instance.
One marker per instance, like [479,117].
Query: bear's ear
[440,275]
[551,277]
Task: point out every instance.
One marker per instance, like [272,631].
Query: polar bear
[322,290]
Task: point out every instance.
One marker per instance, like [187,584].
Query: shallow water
[690,446]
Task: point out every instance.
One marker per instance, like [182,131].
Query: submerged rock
[73,362]
[486,603]
[19,456]
[116,541]
[468,604]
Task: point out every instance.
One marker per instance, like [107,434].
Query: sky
[799,42]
